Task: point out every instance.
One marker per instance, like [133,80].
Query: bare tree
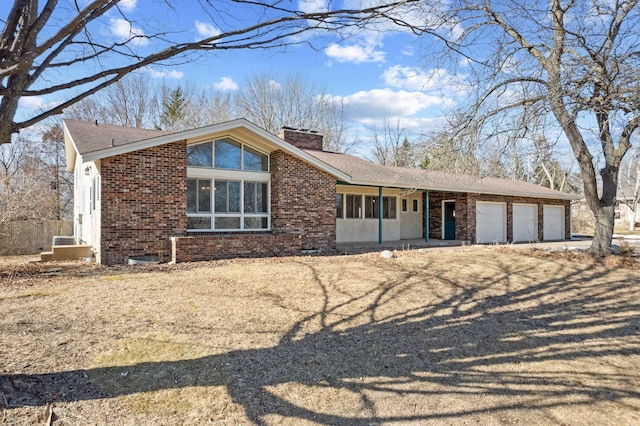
[292,103]
[59,48]
[577,62]
[52,156]
[390,145]
[453,148]
[129,102]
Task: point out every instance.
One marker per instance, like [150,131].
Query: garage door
[491,222]
[525,223]
[553,217]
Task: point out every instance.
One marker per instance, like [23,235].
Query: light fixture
[87,170]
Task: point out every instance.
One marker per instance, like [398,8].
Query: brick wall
[144,202]
[435,214]
[303,202]
[210,247]
[466,216]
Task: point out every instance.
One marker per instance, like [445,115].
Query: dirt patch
[477,335]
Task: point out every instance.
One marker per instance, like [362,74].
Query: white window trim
[200,172]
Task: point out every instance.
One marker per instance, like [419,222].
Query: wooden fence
[31,236]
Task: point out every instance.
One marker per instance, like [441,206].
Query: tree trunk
[632,218]
[604,217]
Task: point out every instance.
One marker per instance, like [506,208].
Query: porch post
[426,216]
[379,215]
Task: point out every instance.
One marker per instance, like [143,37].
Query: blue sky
[378,75]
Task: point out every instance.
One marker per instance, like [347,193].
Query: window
[236,205]
[372,209]
[404,204]
[227,155]
[415,205]
[339,206]
[388,207]
[255,161]
[354,206]
[199,155]
[227,189]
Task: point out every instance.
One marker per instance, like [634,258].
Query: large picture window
[227,187]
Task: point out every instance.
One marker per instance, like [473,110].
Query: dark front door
[450,220]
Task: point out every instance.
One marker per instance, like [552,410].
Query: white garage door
[525,223]
[491,222]
[553,217]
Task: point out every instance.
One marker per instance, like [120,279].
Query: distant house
[234,190]
[627,195]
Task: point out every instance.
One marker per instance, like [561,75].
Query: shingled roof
[91,138]
[364,172]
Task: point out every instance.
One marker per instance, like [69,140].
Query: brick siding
[302,139]
[144,210]
[210,247]
[143,202]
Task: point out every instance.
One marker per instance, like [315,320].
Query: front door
[449,220]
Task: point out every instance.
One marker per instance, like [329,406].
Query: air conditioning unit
[63,240]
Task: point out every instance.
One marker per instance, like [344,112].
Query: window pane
[198,222]
[227,222]
[415,205]
[371,207]
[204,195]
[199,155]
[262,195]
[404,205]
[227,155]
[389,207]
[255,161]
[221,196]
[249,197]
[234,196]
[354,206]
[339,206]
[255,223]
[192,195]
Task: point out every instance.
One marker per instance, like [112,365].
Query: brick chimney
[302,138]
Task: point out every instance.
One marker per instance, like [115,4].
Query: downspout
[426,216]
[379,215]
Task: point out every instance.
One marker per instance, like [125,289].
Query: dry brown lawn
[477,336]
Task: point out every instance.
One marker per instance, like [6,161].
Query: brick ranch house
[235,190]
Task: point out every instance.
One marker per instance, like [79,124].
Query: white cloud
[128,5]
[123,29]
[390,103]
[355,53]
[310,6]
[35,103]
[225,84]
[172,74]
[412,78]
[206,30]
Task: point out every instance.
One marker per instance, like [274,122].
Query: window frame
[242,177]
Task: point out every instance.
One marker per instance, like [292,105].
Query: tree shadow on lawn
[469,344]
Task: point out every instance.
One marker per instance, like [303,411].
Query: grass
[484,335]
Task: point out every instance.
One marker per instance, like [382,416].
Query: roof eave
[402,185]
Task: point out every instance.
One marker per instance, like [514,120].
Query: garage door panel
[553,227]
[525,223]
[491,219]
